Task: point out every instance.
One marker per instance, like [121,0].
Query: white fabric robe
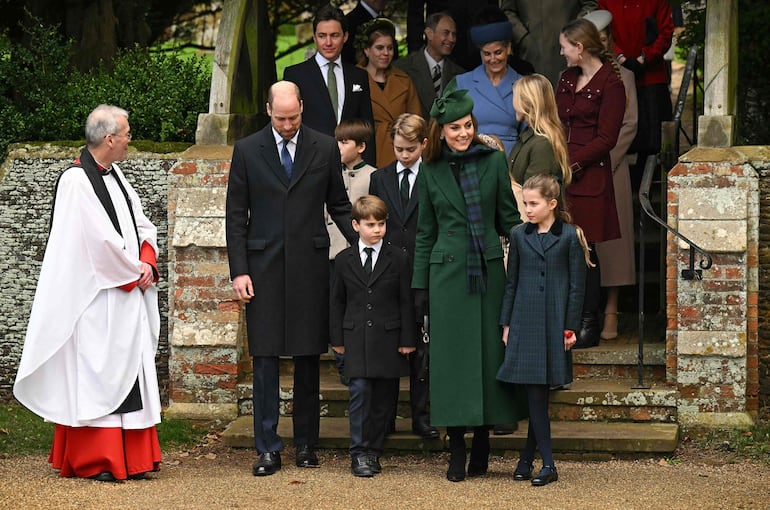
[87,341]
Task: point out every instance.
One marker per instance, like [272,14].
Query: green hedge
[43,97]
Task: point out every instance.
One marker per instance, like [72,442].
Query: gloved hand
[421,304]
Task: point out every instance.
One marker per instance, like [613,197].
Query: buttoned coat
[402,221]
[276,234]
[543,297]
[465,346]
[492,105]
[536,29]
[616,257]
[317,110]
[397,97]
[373,315]
[591,118]
[417,68]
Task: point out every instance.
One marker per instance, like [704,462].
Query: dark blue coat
[543,297]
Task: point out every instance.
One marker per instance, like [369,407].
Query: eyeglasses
[127,135]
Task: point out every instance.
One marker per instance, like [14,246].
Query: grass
[24,433]
[753,443]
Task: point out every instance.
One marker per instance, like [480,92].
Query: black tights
[539,433]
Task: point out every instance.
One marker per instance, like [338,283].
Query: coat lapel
[448,187]
[302,157]
[269,152]
[392,191]
[524,137]
[550,238]
[383,261]
[354,259]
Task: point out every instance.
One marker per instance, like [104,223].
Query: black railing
[691,273]
[672,130]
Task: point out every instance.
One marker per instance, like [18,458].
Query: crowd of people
[482,203]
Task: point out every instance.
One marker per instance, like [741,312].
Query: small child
[396,187]
[372,324]
[352,137]
[541,310]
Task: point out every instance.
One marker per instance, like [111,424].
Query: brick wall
[712,324]
[27,181]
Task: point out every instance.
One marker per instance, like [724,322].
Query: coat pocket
[436,257]
[256,244]
[392,325]
[348,325]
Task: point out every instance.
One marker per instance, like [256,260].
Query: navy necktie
[368,261]
[286,161]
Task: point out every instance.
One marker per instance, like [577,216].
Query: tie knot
[407,171]
[368,250]
[332,64]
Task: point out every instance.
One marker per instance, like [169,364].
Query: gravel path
[216,477]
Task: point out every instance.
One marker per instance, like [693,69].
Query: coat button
[450,233]
[542,273]
[541,288]
[368,291]
[450,258]
[369,306]
[369,323]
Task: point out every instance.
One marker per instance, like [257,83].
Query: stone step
[585,400]
[588,439]
[618,359]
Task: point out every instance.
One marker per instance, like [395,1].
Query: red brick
[186,168]
[230,306]
[216,369]
[195,281]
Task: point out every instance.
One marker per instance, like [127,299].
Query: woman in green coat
[466,204]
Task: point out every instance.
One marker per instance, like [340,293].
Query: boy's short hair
[412,127]
[358,130]
[369,206]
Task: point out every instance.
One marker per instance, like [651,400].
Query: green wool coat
[465,337]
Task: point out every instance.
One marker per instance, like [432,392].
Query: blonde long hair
[534,98]
[548,187]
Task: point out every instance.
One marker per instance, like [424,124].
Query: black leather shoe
[359,466]
[456,471]
[374,463]
[306,457]
[504,430]
[523,471]
[104,476]
[546,475]
[425,432]
[137,476]
[267,464]
[588,336]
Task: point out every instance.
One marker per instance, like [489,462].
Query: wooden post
[716,127]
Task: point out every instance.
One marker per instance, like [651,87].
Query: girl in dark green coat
[466,204]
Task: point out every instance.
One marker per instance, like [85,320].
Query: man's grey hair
[102,121]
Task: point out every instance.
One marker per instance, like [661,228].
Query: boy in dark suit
[395,185]
[372,323]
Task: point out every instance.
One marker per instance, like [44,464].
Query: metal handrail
[687,274]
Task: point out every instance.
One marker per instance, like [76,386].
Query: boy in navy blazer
[372,323]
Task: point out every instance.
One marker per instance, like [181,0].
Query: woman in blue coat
[490,85]
[541,311]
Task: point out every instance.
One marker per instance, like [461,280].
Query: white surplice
[87,341]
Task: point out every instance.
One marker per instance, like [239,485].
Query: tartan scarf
[476,264]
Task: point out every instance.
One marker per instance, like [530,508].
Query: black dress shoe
[546,475]
[267,464]
[306,457]
[523,471]
[504,430]
[137,476]
[359,466]
[426,432]
[104,476]
[374,463]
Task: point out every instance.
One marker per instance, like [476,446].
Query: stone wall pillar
[712,324]
[204,321]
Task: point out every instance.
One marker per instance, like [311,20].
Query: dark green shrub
[43,97]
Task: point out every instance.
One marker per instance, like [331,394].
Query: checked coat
[543,297]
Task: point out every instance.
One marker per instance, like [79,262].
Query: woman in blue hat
[466,204]
[490,85]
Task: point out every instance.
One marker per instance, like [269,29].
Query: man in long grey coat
[278,247]
[536,28]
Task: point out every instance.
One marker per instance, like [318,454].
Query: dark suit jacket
[372,315]
[402,222]
[416,67]
[357,17]
[276,233]
[317,106]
